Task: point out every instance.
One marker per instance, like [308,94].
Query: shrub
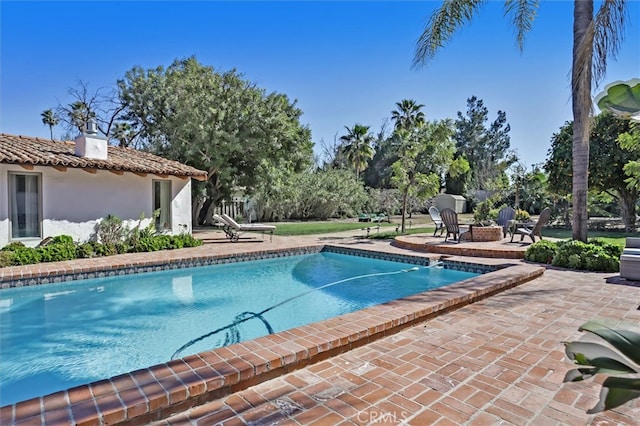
[55,252]
[185,240]
[14,246]
[613,250]
[122,248]
[62,247]
[522,216]
[137,234]
[542,252]
[595,256]
[62,239]
[26,256]
[575,262]
[103,249]
[495,211]
[111,230]
[84,251]
[175,242]
[6,258]
[602,262]
[155,243]
[566,249]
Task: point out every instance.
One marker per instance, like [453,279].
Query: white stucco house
[49,188]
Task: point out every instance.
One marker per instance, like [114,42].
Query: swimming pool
[57,336]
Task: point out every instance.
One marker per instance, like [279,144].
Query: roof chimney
[89,144]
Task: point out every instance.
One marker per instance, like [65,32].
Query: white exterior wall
[74,201]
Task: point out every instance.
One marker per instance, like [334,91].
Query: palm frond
[602,40]
[441,26]
[608,35]
[523,13]
[581,70]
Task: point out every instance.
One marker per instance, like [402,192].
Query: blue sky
[344,62]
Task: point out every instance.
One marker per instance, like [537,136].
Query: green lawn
[309,228]
[388,230]
[613,237]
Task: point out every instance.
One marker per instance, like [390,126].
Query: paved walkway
[497,361]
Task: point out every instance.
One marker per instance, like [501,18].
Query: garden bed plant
[597,255]
[112,237]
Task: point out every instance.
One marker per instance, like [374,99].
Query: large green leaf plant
[595,358]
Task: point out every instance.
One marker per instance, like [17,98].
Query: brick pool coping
[157,392]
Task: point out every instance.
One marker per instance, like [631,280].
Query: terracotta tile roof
[45,152]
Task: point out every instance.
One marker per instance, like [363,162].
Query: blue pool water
[57,336]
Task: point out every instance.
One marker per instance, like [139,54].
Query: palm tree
[594,39]
[49,118]
[408,114]
[358,150]
[79,115]
[123,133]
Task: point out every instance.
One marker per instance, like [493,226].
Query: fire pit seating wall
[483,234]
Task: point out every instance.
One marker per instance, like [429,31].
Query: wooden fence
[234,209]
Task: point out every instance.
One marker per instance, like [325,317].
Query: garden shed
[457,203]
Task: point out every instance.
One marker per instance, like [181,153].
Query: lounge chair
[437,220]
[233,229]
[536,230]
[450,220]
[505,217]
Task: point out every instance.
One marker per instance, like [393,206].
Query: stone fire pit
[482,233]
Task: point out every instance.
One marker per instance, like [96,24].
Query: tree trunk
[627,200]
[202,216]
[581,102]
[196,207]
[405,195]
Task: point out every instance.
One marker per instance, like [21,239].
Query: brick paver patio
[497,361]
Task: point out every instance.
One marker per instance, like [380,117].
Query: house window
[162,203]
[25,205]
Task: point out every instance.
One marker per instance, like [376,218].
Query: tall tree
[218,122]
[424,155]
[595,38]
[408,114]
[50,119]
[124,133]
[630,141]
[486,148]
[528,188]
[378,173]
[606,173]
[357,148]
[103,106]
